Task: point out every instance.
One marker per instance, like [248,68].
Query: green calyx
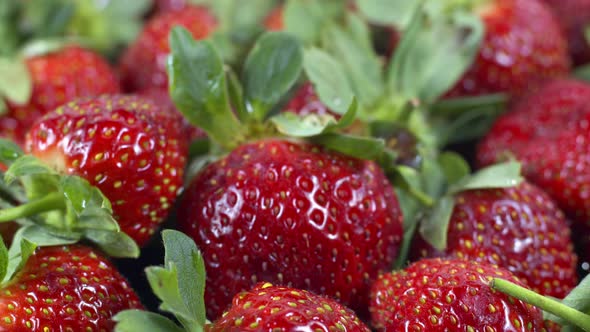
[57,209]
[16,85]
[571,313]
[179,284]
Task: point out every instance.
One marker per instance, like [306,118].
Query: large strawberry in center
[293,214]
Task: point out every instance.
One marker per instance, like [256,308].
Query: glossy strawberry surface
[448,295]
[57,78]
[281,309]
[574,16]
[126,146]
[143,64]
[548,133]
[523,47]
[68,288]
[518,228]
[292,214]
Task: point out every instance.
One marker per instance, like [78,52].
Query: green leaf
[361,65]
[502,175]
[294,125]
[15,81]
[26,165]
[430,46]
[270,71]
[47,18]
[199,90]
[9,152]
[315,13]
[329,79]
[3,259]
[18,254]
[397,13]
[434,228]
[461,105]
[454,167]
[143,321]
[578,298]
[359,147]
[236,95]
[182,252]
[114,244]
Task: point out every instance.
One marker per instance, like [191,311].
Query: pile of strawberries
[319,165]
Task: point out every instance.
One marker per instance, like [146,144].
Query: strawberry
[448,295]
[523,47]
[143,64]
[179,284]
[273,308]
[56,78]
[344,209]
[518,228]
[306,102]
[64,288]
[126,146]
[574,16]
[547,132]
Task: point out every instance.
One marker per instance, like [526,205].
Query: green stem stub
[571,315]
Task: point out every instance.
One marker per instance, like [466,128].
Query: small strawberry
[63,288]
[180,286]
[518,228]
[274,20]
[124,145]
[547,132]
[272,308]
[56,78]
[448,295]
[143,65]
[574,16]
[523,47]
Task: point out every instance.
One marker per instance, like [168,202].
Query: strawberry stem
[53,201]
[557,308]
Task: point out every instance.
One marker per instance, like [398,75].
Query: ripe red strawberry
[57,78]
[292,214]
[548,132]
[126,146]
[143,65]
[517,228]
[574,16]
[273,308]
[523,47]
[448,295]
[67,288]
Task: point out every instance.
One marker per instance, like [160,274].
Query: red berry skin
[281,309]
[69,288]
[523,47]
[143,64]
[574,16]
[520,229]
[292,214]
[124,145]
[448,295]
[306,102]
[57,78]
[548,133]
[274,20]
